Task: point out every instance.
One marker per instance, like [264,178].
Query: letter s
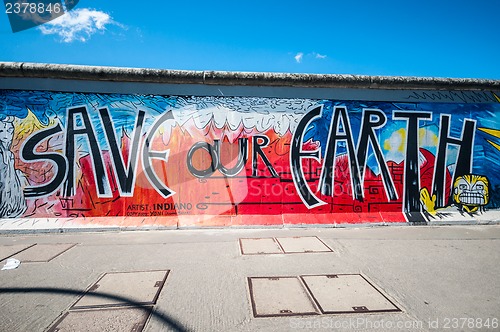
[28,154]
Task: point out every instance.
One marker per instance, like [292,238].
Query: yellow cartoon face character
[471,192]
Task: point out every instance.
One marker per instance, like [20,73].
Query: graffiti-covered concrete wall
[97,158]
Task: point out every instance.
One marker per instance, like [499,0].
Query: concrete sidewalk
[442,278]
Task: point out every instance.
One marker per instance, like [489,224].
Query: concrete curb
[71,230]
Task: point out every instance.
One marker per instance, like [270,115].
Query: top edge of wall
[122,74]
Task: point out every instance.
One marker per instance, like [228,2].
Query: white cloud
[299,57]
[78,24]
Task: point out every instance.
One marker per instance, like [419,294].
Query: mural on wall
[12,202]
[90,155]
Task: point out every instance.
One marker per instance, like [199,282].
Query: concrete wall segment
[244,149]
[99,73]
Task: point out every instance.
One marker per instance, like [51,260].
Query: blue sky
[439,38]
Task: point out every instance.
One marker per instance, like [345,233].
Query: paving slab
[7,251]
[43,252]
[259,246]
[300,244]
[279,296]
[123,319]
[347,293]
[132,288]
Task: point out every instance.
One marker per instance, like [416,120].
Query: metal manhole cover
[11,250]
[124,289]
[279,296]
[44,252]
[259,246]
[301,244]
[122,319]
[347,293]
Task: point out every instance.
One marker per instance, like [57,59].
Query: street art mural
[94,155]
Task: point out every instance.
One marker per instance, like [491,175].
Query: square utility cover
[302,244]
[259,246]
[124,319]
[279,296]
[347,293]
[124,289]
[44,252]
[11,250]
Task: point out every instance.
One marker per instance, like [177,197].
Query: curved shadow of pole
[163,317]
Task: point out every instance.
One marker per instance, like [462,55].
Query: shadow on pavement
[163,317]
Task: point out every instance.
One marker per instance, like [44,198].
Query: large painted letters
[131,155]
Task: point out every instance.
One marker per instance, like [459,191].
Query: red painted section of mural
[244,195]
